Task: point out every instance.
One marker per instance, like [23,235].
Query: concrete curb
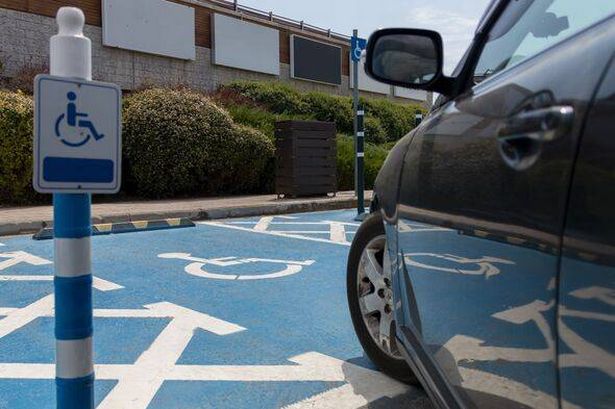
[221,212]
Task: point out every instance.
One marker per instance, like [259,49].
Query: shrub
[178,142]
[396,119]
[259,118]
[374,158]
[252,163]
[374,131]
[16,110]
[23,80]
[332,108]
[277,97]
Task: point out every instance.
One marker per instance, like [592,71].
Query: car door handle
[539,125]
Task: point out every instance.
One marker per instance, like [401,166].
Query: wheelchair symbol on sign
[357,52]
[70,120]
[196,267]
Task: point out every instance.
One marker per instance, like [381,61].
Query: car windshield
[527,27]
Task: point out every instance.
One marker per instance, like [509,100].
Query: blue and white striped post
[71,56]
[360,138]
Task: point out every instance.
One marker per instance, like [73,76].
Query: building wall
[26,26]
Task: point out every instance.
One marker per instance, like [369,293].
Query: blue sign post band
[73,307]
[76,393]
[71,215]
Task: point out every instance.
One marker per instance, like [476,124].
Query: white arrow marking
[145,377]
[16,257]
[364,385]
[16,318]
[21,317]
[606,295]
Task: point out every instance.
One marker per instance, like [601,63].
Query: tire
[367,240]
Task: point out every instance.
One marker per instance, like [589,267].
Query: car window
[527,27]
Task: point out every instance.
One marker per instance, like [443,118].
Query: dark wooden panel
[20,5]
[91,8]
[346,61]
[305,158]
[203,27]
[284,47]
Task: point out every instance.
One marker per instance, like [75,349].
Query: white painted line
[338,233]
[263,223]
[21,317]
[26,278]
[138,383]
[98,283]
[604,294]
[286,223]
[303,231]
[272,233]
[104,285]
[6,311]
[151,368]
[16,257]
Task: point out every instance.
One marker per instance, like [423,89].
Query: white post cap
[70,51]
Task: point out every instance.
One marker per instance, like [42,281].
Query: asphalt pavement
[234,313]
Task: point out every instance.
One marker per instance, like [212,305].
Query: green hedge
[385,120]
[374,158]
[16,110]
[178,142]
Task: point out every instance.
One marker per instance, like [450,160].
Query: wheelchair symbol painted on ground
[470,266]
[73,131]
[281,268]
[137,383]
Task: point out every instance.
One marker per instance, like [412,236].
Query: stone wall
[24,43]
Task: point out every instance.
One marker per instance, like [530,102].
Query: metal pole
[71,56]
[355,108]
[360,163]
[418,118]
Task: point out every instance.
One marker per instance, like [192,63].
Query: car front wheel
[370,299]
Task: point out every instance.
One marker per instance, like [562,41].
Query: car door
[482,205]
[586,315]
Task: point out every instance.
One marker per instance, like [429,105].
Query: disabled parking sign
[77,136]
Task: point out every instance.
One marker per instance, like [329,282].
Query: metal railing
[274,18]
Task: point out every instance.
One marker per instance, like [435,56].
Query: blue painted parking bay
[239,313]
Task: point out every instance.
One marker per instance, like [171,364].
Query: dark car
[486,269]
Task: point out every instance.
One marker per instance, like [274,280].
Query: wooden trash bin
[306,158]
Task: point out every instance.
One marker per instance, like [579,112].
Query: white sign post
[77,151]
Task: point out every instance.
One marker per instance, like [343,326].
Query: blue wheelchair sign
[77,136]
[357,45]
[70,116]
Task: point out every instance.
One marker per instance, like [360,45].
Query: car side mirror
[407,57]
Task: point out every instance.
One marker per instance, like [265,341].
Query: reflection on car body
[499,215]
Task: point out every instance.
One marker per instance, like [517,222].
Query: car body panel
[465,220]
[586,315]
